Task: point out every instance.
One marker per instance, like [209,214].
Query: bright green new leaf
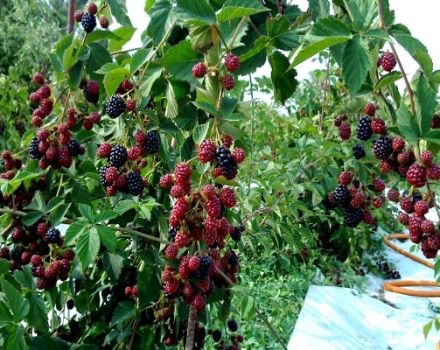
[88,247]
[195,12]
[356,63]
[239,8]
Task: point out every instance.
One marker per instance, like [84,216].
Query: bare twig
[190,330]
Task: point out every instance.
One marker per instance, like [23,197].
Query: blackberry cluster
[204,268]
[118,156]
[382,147]
[352,216]
[359,151]
[364,131]
[115,106]
[134,183]
[152,142]
[88,22]
[388,272]
[225,161]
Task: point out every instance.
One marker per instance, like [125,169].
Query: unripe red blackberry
[393,195]
[130,105]
[345,131]
[339,119]
[140,137]
[194,263]
[228,82]
[415,224]
[370,109]
[125,86]
[345,178]
[182,172]
[403,158]
[177,191]
[36,260]
[38,78]
[406,204]
[238,155]
[44,91]
[404,218]
[198,302]
[358,199]
[379,185]
[180,208]
[387,61]
[416,175]
[111,174]
[25,258]
[182,239]
[421,208]
[378,126]
[227,197]
[377,202]
[206,152]
[433,172]
[199,70]
[92,8]
[427,226]
[166,181]
[127,291]
[41,283]
[213,207]
[103,22]
[209,191]
[433,241]
[171,252]
[171,287]
[232,62]
[111,191]
[426,158]
[104,150]
[386,166]
[92,87]
[188,292]
[46,106]
[34,98]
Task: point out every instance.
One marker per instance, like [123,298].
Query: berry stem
[399,63]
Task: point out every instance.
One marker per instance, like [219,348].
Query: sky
[421,20]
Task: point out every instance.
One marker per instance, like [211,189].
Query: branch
[399,62]
[259,313]
[190,330]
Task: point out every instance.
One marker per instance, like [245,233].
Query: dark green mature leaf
[74,231]
[38,314]
[426,105]
[113,78]
[98,35]
[87,212]
[415,48]
[179,61]
[281,36]
[233,32]
[15,338]
[32,217]
[48,342]
[187,118]
[18,305]
[161,16]
[407,124]
[319,8]
[57,215]
[5,315]
[388,79]
[283,80]
[153,73]
[123,312]
[325,33]
[356,63]
[139,58]
[99,56]
[361,12]
[195,12]
[88,247]
[113,265]
[107,236]
[119,12]
[200,132]
[148,285]
[24,277]
[125,34]
[75,74]
[239,8]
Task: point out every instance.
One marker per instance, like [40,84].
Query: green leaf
[113,265]
[172,107]
[69,58]
[138,59]
[195,12]
[108,67]
[107,236]
[106,215]
[125,34]
[57,215]
[148,5]
[32,217]
[18,305]
[73,232]
[356,63]
[113,78]
[361,12]
[98,34]
[388,79]
[88,247]
[281,36]
[239,8]
[427,328]
[38,314]
[37,203]
[148,285]
[179,61]
[433,136]
[15,339]
[377,33]
[119,12]
[87,212]
[99,56]
[5,315]
[153,73]
[407,124]
[54,203]
[187,118]
[319,8]
[200,132]
[416,49]
[283,80]
[75,74]
[426,105]
[161,16]
[123,312]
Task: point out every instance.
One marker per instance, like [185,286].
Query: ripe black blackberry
[152,142]
[88,22]
[134,183]
[226,162]
[52,235]
[236,234]
[383,147]
[232,325]
[352,216]
[33,149]
[20,126]
[358,151]
[89,97]
[115,106]
[102,171]
[118,156]
[205,266]
[232,259]
[172,231]
[217,335]
[16,253]
[342,194]
[364,130]
[74,148]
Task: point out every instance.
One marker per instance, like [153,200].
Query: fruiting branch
[190,330]
[399,62]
